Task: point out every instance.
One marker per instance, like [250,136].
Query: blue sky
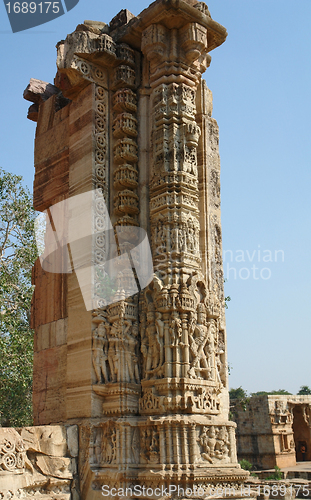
[261,82]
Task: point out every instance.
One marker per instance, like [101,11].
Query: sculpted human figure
[219,366]
[115,338]
[210,349]
[161,237]
[159,324]
[146,440]
[154,447]
[190,239]
[151,346]
[175,329]
[130,343]
[173,239]
[198,339]
[100,352]
[181,239]
[207,440]
[109,445]
[222,443]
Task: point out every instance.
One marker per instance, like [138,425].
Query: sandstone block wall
[272,429]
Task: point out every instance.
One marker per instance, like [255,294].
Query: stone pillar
[145,373]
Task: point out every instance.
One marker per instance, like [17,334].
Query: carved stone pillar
[144,374]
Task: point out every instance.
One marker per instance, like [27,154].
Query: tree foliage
[17,255]
[238,393]
[304,390]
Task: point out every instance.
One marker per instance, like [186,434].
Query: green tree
[17,255]
[238,393]
[304,390]
[281,392]
[245,464]
[272,393]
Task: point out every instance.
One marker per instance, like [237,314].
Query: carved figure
[150,445]
[115,338]
[135,446]
[190,239]
[109,445]
[161,236]
[198,341]
[159,324]
[222,444]
[130,343]
[181,240]
[219,367]
[175,329]
[151,346]
[207,441]
[100,352]
[215,443]
[173,239]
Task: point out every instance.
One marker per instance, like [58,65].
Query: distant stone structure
[145,377]
[273,430]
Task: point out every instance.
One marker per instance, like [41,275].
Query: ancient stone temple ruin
[143,376]
[273,430]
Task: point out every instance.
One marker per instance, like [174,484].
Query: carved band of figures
[173,441]
[115,356]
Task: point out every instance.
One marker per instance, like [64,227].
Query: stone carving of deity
[175,329]
[130,342]
[152,344]
[207,440]
[115,339]
[198,337]
[222,444]
[214,443]
[181,239]
[100,352]
[109,445]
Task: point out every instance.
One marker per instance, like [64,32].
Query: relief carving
[12,452]
[152,345]
[200,366]
[214,444]
[108,445]
[149,445]
[175,329]
[100,352]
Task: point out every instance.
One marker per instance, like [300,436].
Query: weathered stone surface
[38,92]
[48,440]
[49,387]
[271,430]
[55,467]
[73,440]
[33,464]
[123,17]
